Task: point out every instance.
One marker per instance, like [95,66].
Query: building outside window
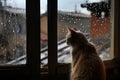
[12,31]
[94,18]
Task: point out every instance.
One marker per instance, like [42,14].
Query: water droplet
[101,24]
[69,21]
[1,23]
[81,24]
[8,20]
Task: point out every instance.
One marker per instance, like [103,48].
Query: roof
[43,14]
[74,14]
[69,13]
[15,10]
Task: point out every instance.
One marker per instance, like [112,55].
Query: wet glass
[44,33]
[93,18]
[12,32]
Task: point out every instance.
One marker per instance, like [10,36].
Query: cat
[86,63]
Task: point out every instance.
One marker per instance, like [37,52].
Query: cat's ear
[70,30]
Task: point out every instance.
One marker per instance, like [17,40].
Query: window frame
[64,68]
[30,70]
[115,61]
[32,67]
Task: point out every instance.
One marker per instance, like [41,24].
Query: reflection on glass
[44,33]
[92,17]
[12,32]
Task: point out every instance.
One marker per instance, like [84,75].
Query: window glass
[44,32]
[93,18]
[12,32]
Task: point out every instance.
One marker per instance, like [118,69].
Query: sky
[16,3]
[63,5]
[68,5]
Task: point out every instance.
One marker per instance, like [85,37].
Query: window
[92,18]
[54,65]
[31,69]
[97,24]
[12,31]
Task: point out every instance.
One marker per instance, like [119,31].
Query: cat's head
[75,37]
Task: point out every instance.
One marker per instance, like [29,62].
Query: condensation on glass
[12,32]
[93,18]
[44,33]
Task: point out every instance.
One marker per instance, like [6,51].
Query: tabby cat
[86,63]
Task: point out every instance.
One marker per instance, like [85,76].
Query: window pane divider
[33,37]
[52,37]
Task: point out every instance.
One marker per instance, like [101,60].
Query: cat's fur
[86,63]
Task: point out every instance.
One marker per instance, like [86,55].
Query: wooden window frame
[31,70]
[115,61]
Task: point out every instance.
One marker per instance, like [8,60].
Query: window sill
[64,68]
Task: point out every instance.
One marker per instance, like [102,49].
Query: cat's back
[86,63]
[88,67]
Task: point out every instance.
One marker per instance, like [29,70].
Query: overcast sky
[63,5]
[16,3]
[68,5]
